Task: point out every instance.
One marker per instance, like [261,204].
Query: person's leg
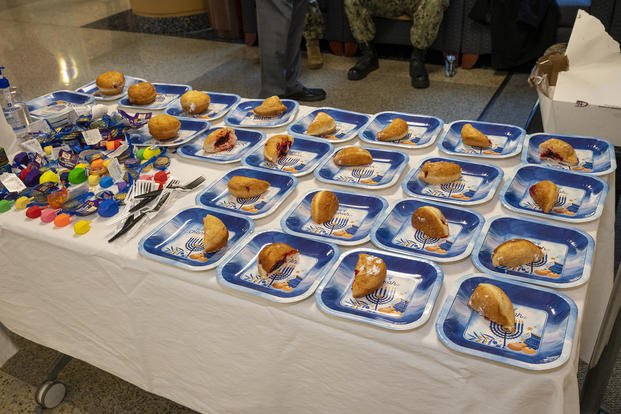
[363,29]
[273,23]
[293,52]
[426,19]
[360,20]
[313,33]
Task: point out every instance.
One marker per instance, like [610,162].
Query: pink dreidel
[48,215]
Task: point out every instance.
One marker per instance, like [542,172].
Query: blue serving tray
[350,226]
[395,232]
[241,115]
[383,173]
[166,93]
[423,129]
[220,104]
[595,156]
[581,197]
[347,124]
[568,252]
[297,278]
[246,141]
[217,194]
[57,103]
[303,157]
[404,301]
[506,140]
[190,129]
[179,241]
[91,88]
[477,184]
[545,324]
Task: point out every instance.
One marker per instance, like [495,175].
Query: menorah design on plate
[250,204]
[193,247]
[364,175]
[499,336]
[455,189]
[385,300]
[420,240]
[282,279]
[563,205]
[290,162]
[494,149]
[339,226]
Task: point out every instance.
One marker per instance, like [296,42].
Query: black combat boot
[367,63]
[418,73]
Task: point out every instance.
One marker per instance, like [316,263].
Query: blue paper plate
[477,184]
[581,197]
[92,89]
[242,116]
[347,124]
[57,103]
[568,252]
[217,194]
[382,173]
[220,104]
[190,129]
[296,279]
[506,140]
[166,93]
[303,157]
[544,329]
[595,156]
[423,129]
[395,232]
[404,301]
[246,140]
[179,241]
[350,226]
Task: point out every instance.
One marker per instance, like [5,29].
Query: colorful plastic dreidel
[33,212]
[22,202]
[106,181]
[77,175]
[93,180]
[5,205]
[82,227]
[151,152]
[48,215]
[62,220]
[160,177]
[108,208]
[49,177]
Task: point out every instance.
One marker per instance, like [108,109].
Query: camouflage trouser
[313,26]
[426,18]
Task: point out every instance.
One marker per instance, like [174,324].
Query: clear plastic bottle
[15,112]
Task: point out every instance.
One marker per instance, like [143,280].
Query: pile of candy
[76,176]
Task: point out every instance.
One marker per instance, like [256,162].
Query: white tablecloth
[182,335]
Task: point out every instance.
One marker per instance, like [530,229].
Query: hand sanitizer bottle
[14,112]
[5,91]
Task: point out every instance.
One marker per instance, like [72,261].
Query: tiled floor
[45,48]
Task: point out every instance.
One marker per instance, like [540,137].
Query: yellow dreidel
[22,202]
[49,176]
[82,227]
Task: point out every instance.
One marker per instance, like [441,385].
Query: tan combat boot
[313,52]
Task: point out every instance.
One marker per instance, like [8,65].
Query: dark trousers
[280,27]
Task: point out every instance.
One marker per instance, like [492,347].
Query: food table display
[208,331]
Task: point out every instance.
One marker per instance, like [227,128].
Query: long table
[182,335]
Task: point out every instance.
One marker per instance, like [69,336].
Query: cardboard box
[587,98]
